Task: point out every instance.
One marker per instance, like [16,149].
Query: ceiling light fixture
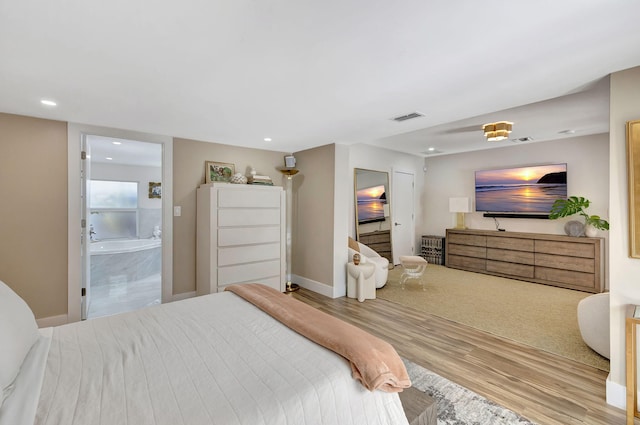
[267,139]
[109,158]
[48,102]
[117,143]
[496,131]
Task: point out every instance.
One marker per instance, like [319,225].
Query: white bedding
[214,359]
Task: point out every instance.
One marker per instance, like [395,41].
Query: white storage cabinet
[240,236]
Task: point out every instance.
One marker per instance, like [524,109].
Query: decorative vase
[356,259]
[590,231]
[574,228]
[238,178]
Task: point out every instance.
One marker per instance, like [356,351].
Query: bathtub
[124,260]
[117,246]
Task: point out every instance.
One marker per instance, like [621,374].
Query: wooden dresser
[240,236]
[379,241]
[557,260]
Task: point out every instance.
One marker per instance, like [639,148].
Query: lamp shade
[459,205]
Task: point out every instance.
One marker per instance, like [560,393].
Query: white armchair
[368,255]
[593,321]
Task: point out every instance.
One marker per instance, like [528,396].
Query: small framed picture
[289,161]
[155,190]
[218,171]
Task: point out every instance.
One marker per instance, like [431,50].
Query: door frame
[75,134]
[411,229]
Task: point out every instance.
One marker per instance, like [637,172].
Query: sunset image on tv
[525,189]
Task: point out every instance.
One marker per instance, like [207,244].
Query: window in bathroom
[114,209]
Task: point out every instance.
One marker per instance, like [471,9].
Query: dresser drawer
[462,239]
[573,278]
[567,263]
[248,254]
[511,269]
[510,243]
[565,248]
[241,217]
[466,263]
[510,256]
[254,272]
[467,250]
[230,236]
[249,199]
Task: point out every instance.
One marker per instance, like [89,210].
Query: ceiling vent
[522,139]
[406,117]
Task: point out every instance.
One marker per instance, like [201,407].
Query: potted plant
[578,205]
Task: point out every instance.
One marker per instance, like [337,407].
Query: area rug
[458,405]
[541,316]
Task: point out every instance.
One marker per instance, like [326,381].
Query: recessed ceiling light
[117,143]
[48,102]
[109,158]
[567,132]
[431,149]
[267,139]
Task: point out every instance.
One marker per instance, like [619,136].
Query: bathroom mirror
[372,210]
[633,170]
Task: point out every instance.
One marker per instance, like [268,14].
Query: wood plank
[543,387]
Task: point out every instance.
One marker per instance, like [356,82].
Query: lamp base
[460,221]
[291,287]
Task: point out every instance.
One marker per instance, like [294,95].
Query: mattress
[214,359]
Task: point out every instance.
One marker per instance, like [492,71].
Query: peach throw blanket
[374,362]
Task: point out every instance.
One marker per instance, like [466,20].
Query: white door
[402,216]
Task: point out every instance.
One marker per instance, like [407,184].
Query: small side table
[361,282]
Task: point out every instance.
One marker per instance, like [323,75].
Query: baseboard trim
[47,322]
[312,285]
[616,394]
[183,296]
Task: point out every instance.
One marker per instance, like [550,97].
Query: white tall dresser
[240,236]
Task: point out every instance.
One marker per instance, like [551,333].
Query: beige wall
[313,210]
[189,157]
[623,271]
[33,211]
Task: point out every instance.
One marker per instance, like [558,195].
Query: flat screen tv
[522,190]
[371,202]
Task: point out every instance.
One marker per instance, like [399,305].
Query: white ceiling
[307,73]
[109,150]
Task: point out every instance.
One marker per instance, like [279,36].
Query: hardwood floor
[543,387]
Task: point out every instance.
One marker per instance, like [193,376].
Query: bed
[214,359]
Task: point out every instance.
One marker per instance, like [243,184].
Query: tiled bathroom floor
[119,296]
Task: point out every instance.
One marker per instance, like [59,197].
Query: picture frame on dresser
[218,171]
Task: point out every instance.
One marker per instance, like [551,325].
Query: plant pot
[590,231]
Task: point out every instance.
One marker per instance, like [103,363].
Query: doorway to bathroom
[122,215]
